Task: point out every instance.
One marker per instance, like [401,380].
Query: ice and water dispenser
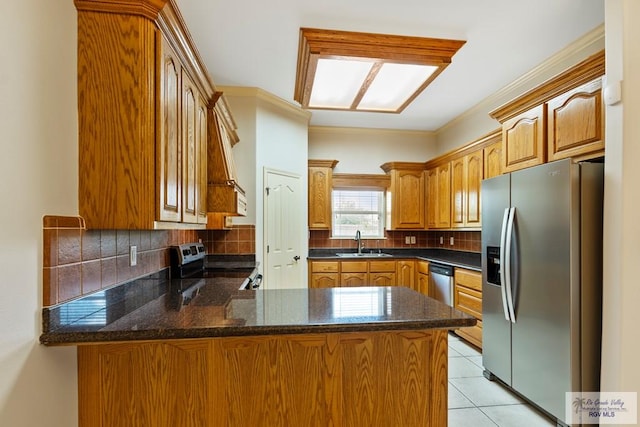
[493,265]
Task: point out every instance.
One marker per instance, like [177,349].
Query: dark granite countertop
[148,309]
[469,260]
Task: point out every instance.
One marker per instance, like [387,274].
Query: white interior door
[282,232]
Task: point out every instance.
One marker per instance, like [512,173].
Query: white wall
[621,317]
[476,122]
[244,111]
[38,176]
[282,145]
[364,150]
[273,135]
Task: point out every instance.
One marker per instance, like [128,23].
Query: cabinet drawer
[468,300]
[324,266]
[353,266]
[470,279]
[381,266]
[423,267]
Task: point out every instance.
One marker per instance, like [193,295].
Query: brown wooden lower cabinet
[467,297]
[384,378]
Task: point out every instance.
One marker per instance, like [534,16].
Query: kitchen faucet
[358,239]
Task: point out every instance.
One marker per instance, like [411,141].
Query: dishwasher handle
[442,269]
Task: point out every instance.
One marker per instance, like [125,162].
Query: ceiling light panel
[367,72]
[337,82]
[394,85]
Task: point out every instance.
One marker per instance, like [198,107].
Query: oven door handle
[255,283]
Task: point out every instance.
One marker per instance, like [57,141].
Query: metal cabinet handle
[296,258]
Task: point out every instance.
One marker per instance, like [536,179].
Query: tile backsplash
[239,240]
[462,240]
[77,261]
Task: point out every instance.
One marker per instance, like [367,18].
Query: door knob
[296,258]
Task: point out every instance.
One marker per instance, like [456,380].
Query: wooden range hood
[225,198]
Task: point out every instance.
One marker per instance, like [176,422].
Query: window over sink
[354,210]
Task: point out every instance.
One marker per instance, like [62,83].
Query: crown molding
[364,131]
[585,46]
[264,96]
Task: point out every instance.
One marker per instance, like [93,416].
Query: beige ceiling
[255,43]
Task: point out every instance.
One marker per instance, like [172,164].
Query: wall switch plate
[441,240]
[413,240]
[407,240]
[451,240]
[133,255]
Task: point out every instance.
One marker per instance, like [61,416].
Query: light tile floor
[478,402]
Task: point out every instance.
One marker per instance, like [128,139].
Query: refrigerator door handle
[503,250]
[507,265]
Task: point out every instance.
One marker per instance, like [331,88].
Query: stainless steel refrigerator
[542,281]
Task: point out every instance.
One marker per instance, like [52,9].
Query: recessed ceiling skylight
[340,70]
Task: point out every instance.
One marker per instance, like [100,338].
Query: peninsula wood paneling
[341,379]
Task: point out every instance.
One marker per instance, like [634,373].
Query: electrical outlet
[133,255]
[407,240]
[451,240]
[441,240]
[413,240]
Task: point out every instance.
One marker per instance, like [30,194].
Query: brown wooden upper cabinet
[439,196]
[576,122]
[407,192]
[466,178]
[320,185]
[524,139]
[563,117]
[493,159]
[143,96]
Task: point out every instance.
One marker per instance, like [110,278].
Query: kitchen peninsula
[339,356]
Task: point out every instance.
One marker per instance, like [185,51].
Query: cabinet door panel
[201,161]
[353,279]
[320,198]
[170,168]
[405,273]
[324,280]
[408,199]
[493,160]
[189,149]
[524,139]
[432,198]
[423,284]
[576,122]
[382,279]
[458,192]
[473,181]
[444,196]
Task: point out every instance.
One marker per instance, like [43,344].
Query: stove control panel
[189,252]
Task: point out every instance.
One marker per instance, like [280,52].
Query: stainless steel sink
[362,255]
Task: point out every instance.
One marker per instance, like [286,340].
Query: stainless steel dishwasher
[441,282]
